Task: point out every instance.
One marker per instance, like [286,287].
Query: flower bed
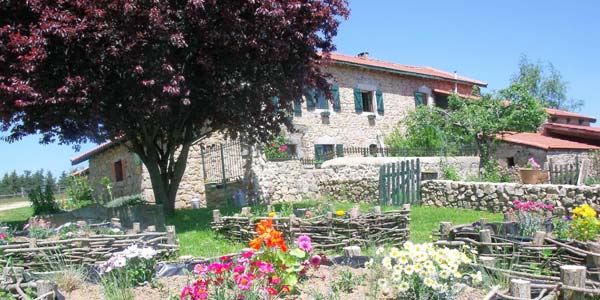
[39,245]
[532,243]
[334,229]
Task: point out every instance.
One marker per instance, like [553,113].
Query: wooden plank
[418,181]
[394,184]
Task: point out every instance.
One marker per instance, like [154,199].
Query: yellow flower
[340,213]
[272,214]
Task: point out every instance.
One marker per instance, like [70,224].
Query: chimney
[363,55]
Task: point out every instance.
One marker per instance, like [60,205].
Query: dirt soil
[318,286]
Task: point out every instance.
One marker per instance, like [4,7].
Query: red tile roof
[581,131]
[88,154]
[444,92]
[426,72]
[564,113]
[543,142]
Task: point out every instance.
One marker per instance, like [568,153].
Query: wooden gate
[400,183]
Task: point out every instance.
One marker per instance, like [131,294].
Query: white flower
[444,274]
[120,261]
[398,268]
[478,277]
[382,282]
[147,253]
[403,286]
[379,251]
[396,276]
[409,270]
[116,230]
[369,263]
[402,260]
[387,262]
[394,252]
[429,282]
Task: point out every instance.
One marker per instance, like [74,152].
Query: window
[367,101]
[580,121]
[291,149]
[441,101]
[554,119]
[324,151]
[322,102]
[118,168]
[373,150]
[510,162]
[568,120]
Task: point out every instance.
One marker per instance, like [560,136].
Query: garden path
[10,206]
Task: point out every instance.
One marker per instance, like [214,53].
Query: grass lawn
[15,218]
[196,238]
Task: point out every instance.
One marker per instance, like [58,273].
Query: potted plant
[532,172]
[371,117]
[325,114]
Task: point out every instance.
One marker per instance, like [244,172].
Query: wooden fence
[326,231]
[31,253]
[564,173]
[540,258]
[400,183]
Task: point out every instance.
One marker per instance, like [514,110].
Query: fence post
[593,260]
[485,236]
[216,216]
[445,228]
[572,275]
[520,288]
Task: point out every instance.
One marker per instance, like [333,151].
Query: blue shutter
[339,150]
[418,99]
[322,101]
[297,108]
[335,93]
[379,96]
[318,151]
[310,99]
[358,105]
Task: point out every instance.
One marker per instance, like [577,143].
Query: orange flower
[268,234]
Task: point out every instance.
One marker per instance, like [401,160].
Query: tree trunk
[165,166]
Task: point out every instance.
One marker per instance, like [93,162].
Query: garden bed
[333,229]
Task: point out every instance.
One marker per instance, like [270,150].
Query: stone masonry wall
[354,179]
[102,165]
[136,178]
[498,197]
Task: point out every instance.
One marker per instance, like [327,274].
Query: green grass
[15,218]
[425,219]
[197,239]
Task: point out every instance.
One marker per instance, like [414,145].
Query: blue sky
[479,39]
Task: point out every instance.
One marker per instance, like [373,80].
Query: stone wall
[102,165]
[354,179]
[498,197]
[136,178]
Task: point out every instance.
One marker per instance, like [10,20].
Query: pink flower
[200,269]
[265,267]
[275,280]
[315,260]
[25,226]
[248,254]
[243,282]
[3,236]
[308,214]
[239,269]
[283,148]
[186,292]
[304,243]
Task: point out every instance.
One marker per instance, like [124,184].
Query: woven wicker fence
[538,259]
[35,254]
[327,231]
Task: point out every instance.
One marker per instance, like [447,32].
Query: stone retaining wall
[354,179]
[498,197]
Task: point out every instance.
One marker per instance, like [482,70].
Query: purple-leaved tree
[160,73]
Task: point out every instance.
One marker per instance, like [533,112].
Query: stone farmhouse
[370,98]
[566,138]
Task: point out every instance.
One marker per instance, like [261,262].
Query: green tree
[545,82]
[476,121]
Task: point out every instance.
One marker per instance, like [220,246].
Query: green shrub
[78,188]
[43,202]
[126,201]
[38,232]
[450,173]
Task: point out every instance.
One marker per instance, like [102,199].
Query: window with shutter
[339,150]
[322,101]
[297,108]
[379,96]
[118,170]
[358,101]
[310,99]
[335,93]
[418,99]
